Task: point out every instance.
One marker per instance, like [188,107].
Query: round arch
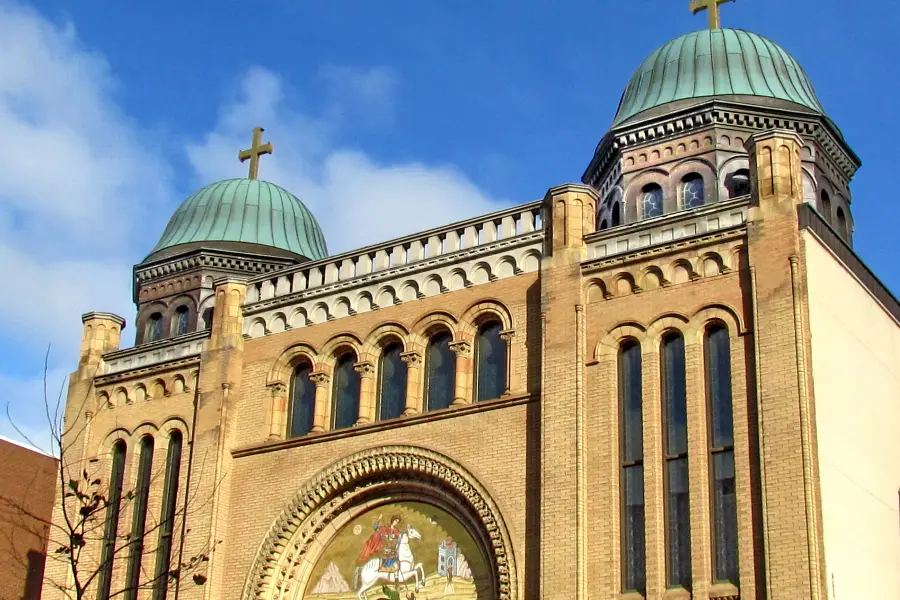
[364,480]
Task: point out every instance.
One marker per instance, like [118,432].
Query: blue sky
[113,112]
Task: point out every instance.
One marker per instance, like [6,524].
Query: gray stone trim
[120,321]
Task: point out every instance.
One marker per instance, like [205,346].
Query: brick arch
[705,315]
[473,317]
[670,321]
[284,365]
[658,176]
[346,488]
[382,334]
[609,345]
[342,341]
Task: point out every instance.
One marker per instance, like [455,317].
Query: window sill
[724,591]
[677,593]
[326,436]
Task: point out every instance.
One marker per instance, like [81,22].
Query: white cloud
[83,195]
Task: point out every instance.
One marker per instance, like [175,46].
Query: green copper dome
[246,211]
[716,62]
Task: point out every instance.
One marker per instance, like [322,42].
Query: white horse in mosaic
[368,575]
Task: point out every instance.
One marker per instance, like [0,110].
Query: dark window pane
[633,528]
[678,526]
[652,201]
[139,519]
[616,214]
[718,380]
[675,395]
[490,363]
[738,183]
[391,384]
[303,402]
[694,191]
[181,320]
[167,518]
[725,517]
[207,318]
[345,399]
[440,373]
[630,390]
[111,527]
[154,327]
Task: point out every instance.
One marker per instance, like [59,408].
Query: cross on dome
[709,5]
[257,149]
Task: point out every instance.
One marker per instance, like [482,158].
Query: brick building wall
[29,486]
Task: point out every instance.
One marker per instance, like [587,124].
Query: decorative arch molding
[344,489]
[382,335]
[609,345]
[485,308]
[667,322]
[332,347]
[284,365]
[701,319]
[425,326]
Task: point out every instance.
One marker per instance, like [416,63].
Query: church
[673,380]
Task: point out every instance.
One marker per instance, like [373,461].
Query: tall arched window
[111,526]
[616,214]
[490,362]
[208,318]
[182,320]
[632,461]
[842,224]
[738,183]
[717,350]
[651,200]
[154,327]
[440,372]
[675,454]
[693,191]
[167,516]
[303,402]
[826,207]
[391,383]
[139,518]
[345,393]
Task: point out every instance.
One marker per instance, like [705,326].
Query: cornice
[161,367]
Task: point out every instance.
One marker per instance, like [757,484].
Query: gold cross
[712,6]
[257,149]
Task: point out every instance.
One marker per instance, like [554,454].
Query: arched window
[167,516]
[139,518]
[490,362]
[616,214]
[345,392]
[826,207]
[154,327]
[717,350]
[842,224]
[738,183]
[693,191]
[303,402]
[675,454]
[440,372]
[182,319]
[652,201]
[111,526]
[391,383]
[603,224]
[632,461]
[208,318]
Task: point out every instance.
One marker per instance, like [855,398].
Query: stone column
[464,368]
[278,425]
[507,336]
[321,422]
[413,362]
[367,402]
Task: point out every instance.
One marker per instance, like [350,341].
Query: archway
[326,522]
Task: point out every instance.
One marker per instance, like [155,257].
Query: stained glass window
[721,441]
[111,526]
[139,518]
[167,518]
[181,320]
[303,402]
[632,441]
[440,372]
[693,190]
[738,183]
[678,518]
[391,383]
[652,201]
[345,393]
[154,327]
[490,362]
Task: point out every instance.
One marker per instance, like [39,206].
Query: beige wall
[856,371]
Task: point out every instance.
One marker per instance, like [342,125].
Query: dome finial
[712,6]
[257,149]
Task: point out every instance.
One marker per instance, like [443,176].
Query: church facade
[674,379]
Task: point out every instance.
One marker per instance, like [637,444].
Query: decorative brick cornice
[284,560]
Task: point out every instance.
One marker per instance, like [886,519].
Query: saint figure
[383,543]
